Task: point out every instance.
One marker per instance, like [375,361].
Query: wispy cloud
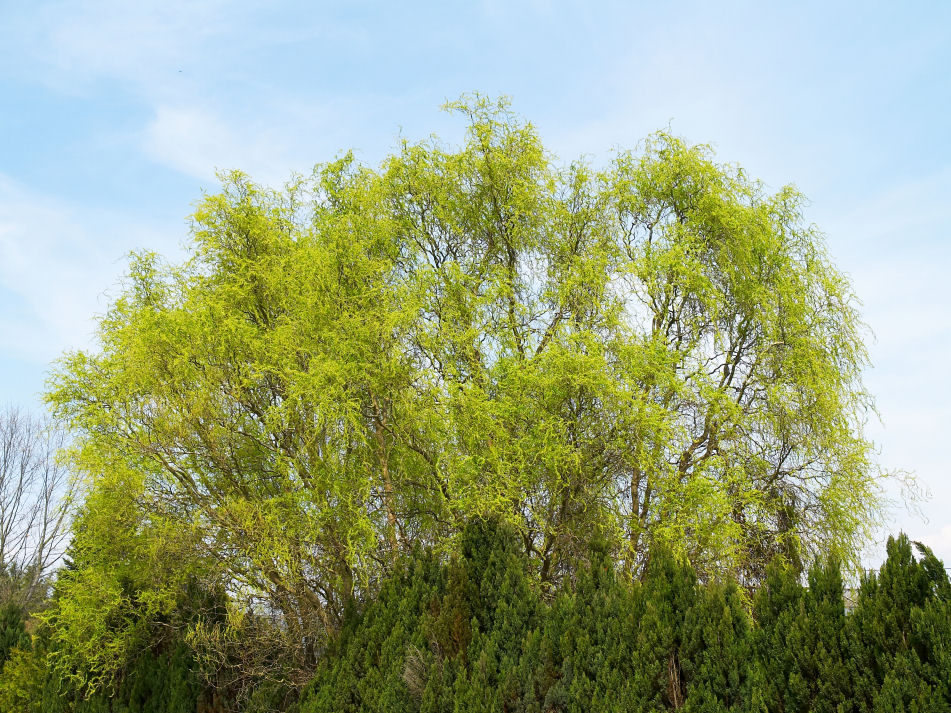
[72,43]
[896,243]
[198,143]
[56,261]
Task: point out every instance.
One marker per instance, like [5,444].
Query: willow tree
[656,351]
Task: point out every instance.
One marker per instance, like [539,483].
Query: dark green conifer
[716,651]
[800,642]
[670,591]
[583,654]
[12,630]
[381,655]
[896,659]
[776,679]
[821,637]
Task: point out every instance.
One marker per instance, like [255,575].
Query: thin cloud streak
[57,263]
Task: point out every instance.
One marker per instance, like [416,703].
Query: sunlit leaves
[656,351]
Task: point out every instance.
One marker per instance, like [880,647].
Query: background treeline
[475,634]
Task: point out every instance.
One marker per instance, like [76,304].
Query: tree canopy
[656,352]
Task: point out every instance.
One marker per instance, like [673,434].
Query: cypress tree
[504,609]
[716,650]
[931,628]
[800,642]
[894,664]
[582,657]
[12,630]
[776,681]
[438,638]
[670,591]
[381,654]
[472,636]
[931,634]
[821,655]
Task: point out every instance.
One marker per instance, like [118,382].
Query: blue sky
[115,115]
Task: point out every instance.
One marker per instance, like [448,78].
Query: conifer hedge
[476,635]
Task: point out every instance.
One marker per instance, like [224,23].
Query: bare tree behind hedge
[34,514]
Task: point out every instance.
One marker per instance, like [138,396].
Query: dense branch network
[657,352]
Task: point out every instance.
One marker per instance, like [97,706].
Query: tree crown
[655,352]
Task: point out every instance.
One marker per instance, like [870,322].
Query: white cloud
[289,135]
[73,42]
[198,143]
[897,246]
[55,263]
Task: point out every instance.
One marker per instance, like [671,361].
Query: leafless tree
[34,505]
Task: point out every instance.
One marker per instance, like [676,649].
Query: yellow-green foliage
[21,681]
[654,352]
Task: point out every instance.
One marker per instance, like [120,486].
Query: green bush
[476,634]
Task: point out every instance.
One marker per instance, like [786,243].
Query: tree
[12,631]
[34,498]
[898,634]
[437,638]
[165,682]
[658,352]
[717,650]
[777,608]
[800,657]
[582,657]
[671,593]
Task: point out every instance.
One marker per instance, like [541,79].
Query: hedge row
[475,635]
